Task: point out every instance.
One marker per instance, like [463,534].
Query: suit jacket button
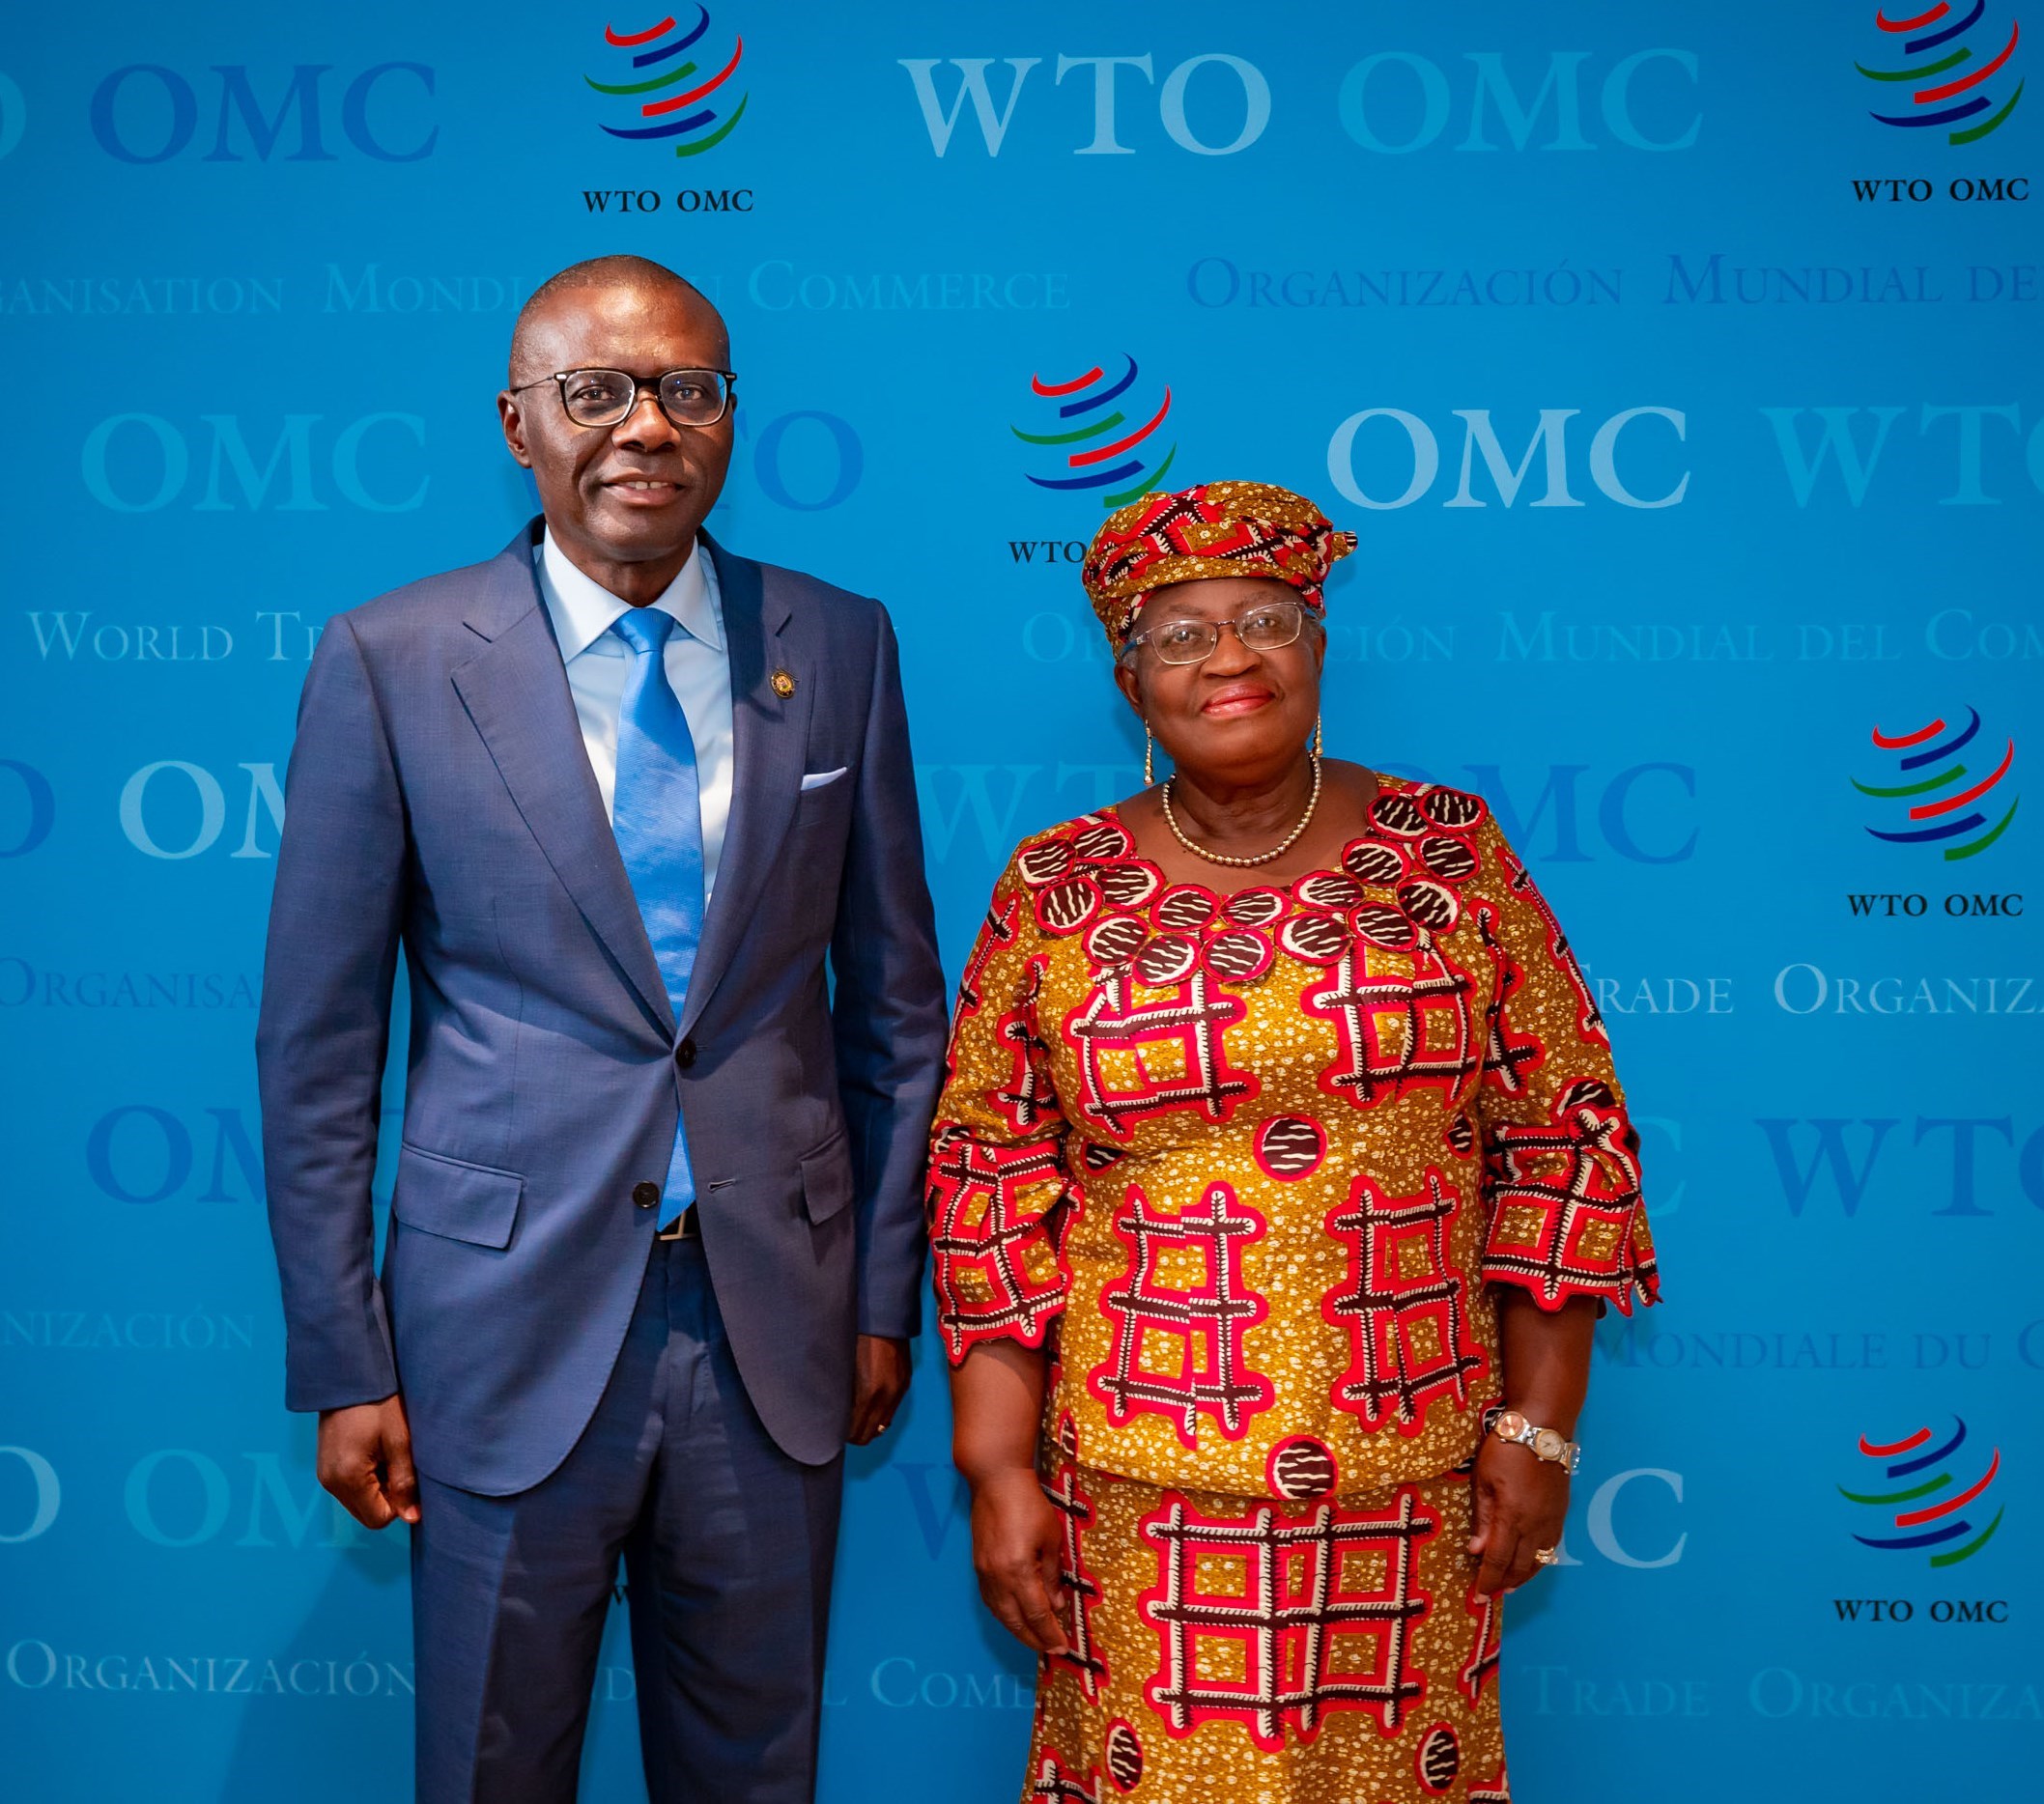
[685,1053]
[646,1195]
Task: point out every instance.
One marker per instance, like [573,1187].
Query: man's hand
[1520,1502]
[365,1460]
[882,1383]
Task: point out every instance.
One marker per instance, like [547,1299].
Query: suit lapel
[769,739]
[516,690]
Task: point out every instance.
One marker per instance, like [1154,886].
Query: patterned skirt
[1242,1649]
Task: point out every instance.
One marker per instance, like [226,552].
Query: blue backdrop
[1677,367]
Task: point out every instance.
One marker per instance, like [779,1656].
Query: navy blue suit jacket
[439,802]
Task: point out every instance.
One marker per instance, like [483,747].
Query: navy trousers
[727,1545]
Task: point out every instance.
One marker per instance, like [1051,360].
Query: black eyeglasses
[1264,628]
[604,396]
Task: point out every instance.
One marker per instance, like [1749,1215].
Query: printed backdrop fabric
[1677,369]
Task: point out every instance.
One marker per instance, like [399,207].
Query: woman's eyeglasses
[1264,628]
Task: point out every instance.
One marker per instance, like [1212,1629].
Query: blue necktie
[656,814]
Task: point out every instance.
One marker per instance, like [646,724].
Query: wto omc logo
[1091,462]
[1926,1518]
[1936,816]
[1928,35]
[672,114]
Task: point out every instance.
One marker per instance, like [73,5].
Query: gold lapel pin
[783,684]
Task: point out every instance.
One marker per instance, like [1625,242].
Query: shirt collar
[583,611]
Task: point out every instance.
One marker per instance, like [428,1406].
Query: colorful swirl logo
[1946,816]
[1098,465]
[1960,58]
[674,114]
[1929,1526]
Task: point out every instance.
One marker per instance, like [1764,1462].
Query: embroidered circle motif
[1452,808]
[1116,939]
[1124,1756]
[1255,908]
[1066,906]
[1398,815]
[1242,956]
[1290,1147]
[1434,906]
[1301,1469]
[1317,939]
[1169,958]
[1372,861]
[1045,864]
[1100,842]
[1448,858]
[1127,885]
[1440,1758]
[1326,889]
[1184,908]
[1383,925]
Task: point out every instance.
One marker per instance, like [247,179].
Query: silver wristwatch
[1546,1443]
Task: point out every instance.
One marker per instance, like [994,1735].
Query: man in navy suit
[619,796]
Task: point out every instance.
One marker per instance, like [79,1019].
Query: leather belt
[682,1228]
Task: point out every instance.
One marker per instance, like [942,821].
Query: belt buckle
[684,1228]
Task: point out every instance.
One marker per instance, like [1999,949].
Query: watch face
[1547,1444]
[1511,1425]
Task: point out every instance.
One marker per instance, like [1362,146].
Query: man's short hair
[621,269]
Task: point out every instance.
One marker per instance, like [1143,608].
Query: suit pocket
[477,1204]
[826,1179]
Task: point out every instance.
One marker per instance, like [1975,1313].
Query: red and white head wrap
[1214,530]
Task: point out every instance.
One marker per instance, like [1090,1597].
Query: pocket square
[817,779]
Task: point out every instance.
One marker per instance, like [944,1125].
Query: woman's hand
[1520,1502]
[1016,1542]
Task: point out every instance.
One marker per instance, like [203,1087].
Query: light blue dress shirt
[698,666]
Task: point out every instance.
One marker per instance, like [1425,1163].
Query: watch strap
[1548,1444]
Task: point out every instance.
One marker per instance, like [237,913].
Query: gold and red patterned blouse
[1265,1154]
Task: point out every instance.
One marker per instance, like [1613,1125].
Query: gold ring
[1545,1557]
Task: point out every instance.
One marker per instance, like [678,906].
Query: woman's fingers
[1018,1599]
[1016,1535]
[1482,1509]
[1519,1504]
[1499,1554]
[1045,1620]
[1523,1565]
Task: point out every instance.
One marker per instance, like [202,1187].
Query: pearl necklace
[1277,851]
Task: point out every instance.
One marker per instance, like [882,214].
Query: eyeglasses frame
[640,387]
[1235,626]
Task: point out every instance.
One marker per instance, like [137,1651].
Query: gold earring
[1319,738]
[1149,758]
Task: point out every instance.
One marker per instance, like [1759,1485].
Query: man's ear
[514,424]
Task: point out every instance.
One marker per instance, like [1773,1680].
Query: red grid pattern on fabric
[1404,1306]
[1076,1515]
[998,1271]
[1564,1201]
[1319,1618]
[1489,1610]
[1177,1346]
[1185,1028]
[1395,1031]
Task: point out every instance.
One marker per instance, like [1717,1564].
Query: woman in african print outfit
[1279,1175]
